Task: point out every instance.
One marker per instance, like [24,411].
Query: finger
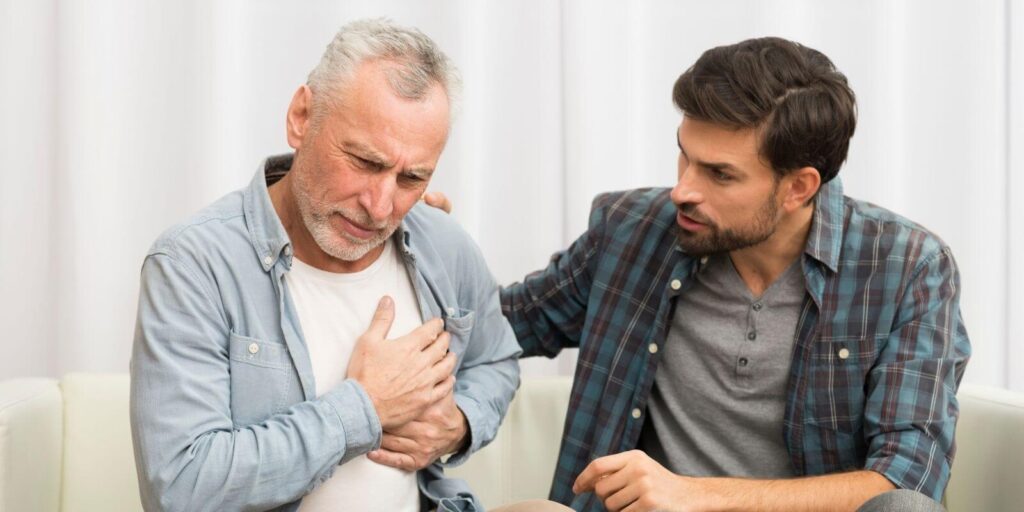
[438,349]
[614,490]
[393,459]
[438,200]
[383,317]
[631,496]
[597,468]
[442,389]
[611,483]
[444,368]
[398,444]
[425,334]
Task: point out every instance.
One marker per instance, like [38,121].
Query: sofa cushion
[520,463]
[99,466]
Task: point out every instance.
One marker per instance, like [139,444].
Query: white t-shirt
[334,310]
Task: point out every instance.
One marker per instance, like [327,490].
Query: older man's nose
[379,199]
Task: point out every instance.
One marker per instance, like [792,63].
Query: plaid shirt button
[636,414]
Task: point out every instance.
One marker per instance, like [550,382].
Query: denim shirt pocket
[261,375]
[459,324]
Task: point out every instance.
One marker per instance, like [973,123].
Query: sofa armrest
[31,431]
[990,451]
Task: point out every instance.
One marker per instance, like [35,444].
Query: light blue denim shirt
[224,410]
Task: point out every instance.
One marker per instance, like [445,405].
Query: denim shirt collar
[266,233]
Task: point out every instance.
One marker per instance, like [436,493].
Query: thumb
[383,317]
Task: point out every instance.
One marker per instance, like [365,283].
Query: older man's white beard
[339,244]
[316,215]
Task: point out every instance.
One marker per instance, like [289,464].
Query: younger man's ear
[803,183]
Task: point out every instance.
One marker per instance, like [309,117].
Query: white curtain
[119,118]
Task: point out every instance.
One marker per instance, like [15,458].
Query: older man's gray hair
[419,62]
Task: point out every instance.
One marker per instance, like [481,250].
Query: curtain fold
[120,118]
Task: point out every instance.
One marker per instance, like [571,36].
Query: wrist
[462,432]
[713,493]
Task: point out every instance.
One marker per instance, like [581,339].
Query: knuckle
[646,484]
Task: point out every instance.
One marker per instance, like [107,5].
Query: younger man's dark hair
[803,107]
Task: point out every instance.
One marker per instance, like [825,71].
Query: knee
[901,500]
[534,506]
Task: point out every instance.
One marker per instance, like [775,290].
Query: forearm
[256,466]
[835,492]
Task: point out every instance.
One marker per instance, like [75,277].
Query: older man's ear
[438,200]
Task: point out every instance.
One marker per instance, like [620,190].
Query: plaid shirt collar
[825,239]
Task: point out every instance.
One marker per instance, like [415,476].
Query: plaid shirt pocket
[837,388]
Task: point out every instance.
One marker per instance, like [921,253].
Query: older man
[301,330]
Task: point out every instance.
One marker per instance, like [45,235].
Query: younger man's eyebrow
[710,165]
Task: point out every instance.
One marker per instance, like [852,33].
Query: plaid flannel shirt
[880,345]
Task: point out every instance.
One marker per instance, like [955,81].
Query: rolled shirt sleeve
[911,410]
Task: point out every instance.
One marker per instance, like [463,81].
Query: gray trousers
[901,500]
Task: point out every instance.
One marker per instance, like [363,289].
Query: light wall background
[118,118]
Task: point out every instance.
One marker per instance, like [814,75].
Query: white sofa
[66,446]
